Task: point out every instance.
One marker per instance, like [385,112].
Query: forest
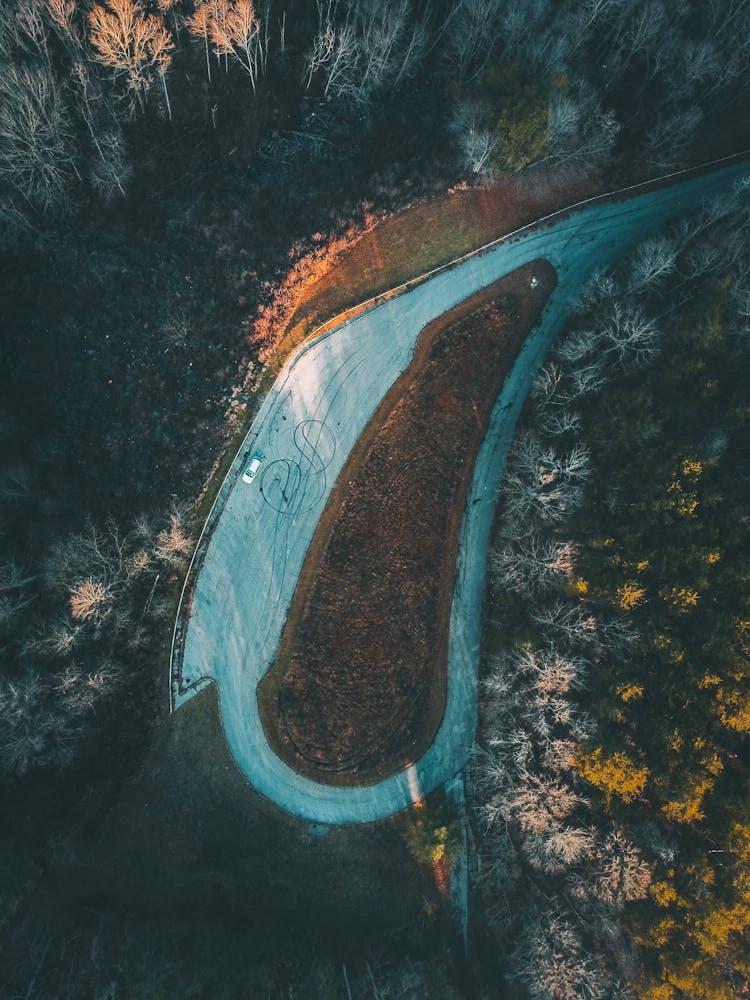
[612,774]
[164,166]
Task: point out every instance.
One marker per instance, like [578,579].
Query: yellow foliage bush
[616,775]
[657,934]
[681,598]
[629,692]
[700,980]
[661,992]
[663,893]
[689,808]
[630,596]
[734,710]
[691,467]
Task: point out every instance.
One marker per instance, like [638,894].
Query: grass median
[358,689]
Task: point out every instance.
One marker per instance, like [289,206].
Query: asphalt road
[306,428]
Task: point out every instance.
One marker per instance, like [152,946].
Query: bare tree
[534,563]
[577,345]
[740,293]
[95,553]
[561,422]
[468,36]
[551,960]
[651,261]
[560,849]
[600,287]
[130,42]
[527,33]
[33,27]
[14,596]
[702,64]
[542,483]
[13,577]
[16,481]
[334,51]
[165,6]
[518,747]
[162,55]
[112,171]
[235,30]
[370,46]
[476,143]
[702,260]
[36,153]
[548,50]
[173,543]
[554,674]
[13,224]
[578,626]
[80,691]
[622,873]
[560,755]
[582,133]
[591,12]
[198,24]
[96,569]
[62,14]
[10,605]
[41,717]
[91,600]
[546,385]
[669,138]
[707,214]
[587,378]
[541,804]
[33,732]
[644,30]
[389,49]
[630,335]
[60,639]
[541,464]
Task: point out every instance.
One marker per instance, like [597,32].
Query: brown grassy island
[358,688]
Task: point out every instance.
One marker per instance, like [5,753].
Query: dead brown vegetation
[381,253]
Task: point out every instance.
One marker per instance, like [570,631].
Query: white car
[251,469]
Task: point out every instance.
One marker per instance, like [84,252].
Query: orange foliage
[198,23]
[61,12]
[127,39]
[441,872]
[89,600]
[617,774]
[232,24]
[273,321]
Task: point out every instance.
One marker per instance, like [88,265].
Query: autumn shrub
[432,833]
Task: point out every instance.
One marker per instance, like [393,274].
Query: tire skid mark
[286,514]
